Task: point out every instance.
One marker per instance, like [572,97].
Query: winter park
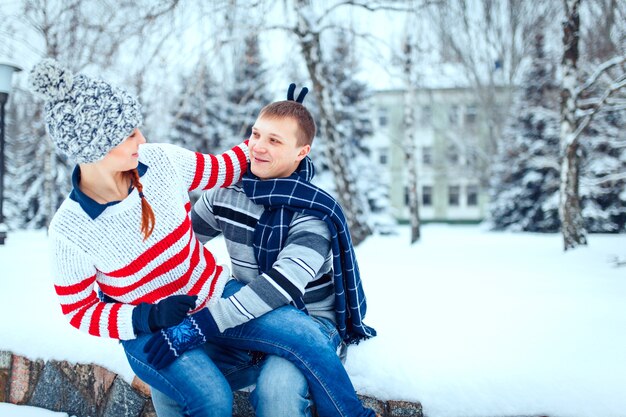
[477,150]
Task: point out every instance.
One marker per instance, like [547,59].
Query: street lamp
[6,73]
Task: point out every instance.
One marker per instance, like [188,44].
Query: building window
[472,195]
[383,117]
[426,116]
[453,115]
[382,158]
[453,155]
[470,114]
[454,192]
[427,155]
[427,196]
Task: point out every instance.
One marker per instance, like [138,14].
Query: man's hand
[168,344]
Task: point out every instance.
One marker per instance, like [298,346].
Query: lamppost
[6,73]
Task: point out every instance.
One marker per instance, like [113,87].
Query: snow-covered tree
[603,174]
[524,189]
[409,124]
[580,103]
[200,122]
[248,94]
[354,125]
[38,177]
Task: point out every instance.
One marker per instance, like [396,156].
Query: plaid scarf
[282,199]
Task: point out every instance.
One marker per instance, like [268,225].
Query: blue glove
[170,311]
[168,344]
[148,318]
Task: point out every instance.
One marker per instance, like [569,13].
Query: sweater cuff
[141,314]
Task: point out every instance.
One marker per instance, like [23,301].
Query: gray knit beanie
[85,117]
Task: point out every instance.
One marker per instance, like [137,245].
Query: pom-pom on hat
[85,117]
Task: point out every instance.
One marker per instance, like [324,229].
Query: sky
[470,322]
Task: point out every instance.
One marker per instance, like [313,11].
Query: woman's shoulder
[69,216]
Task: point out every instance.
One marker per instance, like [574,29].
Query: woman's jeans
[281,390]
[195,382]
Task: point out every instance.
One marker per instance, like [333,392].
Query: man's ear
[303,152]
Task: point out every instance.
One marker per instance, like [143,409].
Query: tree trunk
[409,143]
[345,184]
[572,225]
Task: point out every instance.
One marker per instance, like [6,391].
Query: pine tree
[200,124]
[355,126]
[525,185]
[603,185]
[248,94]
[37,178]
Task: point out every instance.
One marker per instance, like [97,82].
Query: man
[293,250]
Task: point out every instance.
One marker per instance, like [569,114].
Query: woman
[125,227]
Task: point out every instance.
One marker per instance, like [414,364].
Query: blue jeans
[285,332]
[281,389]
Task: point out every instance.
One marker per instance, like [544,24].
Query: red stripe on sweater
[94,325]
[243,162]
[230,171]
[218,271]
[174,286]
[78,317]
[158,248]
[113,317]
[162,269]
[199,171]
[88,300]
[75,288]
[215,169]
[209,270]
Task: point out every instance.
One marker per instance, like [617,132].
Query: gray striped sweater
[303,267]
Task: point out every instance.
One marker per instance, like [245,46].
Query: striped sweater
[304,265]
[105,248]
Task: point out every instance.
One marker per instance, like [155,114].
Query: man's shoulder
[225,193]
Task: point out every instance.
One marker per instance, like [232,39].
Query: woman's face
[125,156]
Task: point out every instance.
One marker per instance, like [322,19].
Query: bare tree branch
[602,69]
[589,116]
[607,178]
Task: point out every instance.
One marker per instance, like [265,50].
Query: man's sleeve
[305,253]
[205,226]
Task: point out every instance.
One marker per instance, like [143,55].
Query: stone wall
[93,391]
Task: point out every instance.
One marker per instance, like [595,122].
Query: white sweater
[109,250]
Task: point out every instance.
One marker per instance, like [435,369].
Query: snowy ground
[471,323]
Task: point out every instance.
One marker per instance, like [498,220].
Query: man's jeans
[196,383]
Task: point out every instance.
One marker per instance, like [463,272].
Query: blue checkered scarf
[282,199]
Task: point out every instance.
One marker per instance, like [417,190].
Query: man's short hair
[296,111]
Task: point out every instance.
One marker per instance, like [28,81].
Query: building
[453,152]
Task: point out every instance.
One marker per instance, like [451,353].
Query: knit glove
[168,344]
[149,318]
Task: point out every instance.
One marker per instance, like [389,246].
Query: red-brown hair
[147,214]
[297,112]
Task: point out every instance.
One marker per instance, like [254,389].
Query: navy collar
[89,205]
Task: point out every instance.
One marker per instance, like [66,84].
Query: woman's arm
[199,171]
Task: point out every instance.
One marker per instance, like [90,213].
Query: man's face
[274,152]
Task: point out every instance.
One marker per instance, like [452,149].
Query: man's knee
[282,388]
[212,401]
